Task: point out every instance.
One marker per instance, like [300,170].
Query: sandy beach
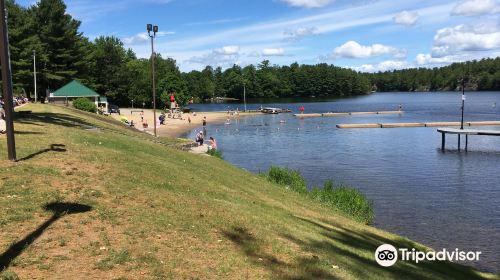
[176,127]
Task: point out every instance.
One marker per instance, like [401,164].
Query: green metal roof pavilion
[75,89]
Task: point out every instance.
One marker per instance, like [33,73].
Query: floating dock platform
[418,124]
[465,132]
[330,114]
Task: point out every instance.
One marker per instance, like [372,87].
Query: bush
[215,153]
[85,104]
[287,178]
[348,200]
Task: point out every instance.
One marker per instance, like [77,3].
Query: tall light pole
[34,74]
[154,30]
[463,102]
[7,83]
[245,96]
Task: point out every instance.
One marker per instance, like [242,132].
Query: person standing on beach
[189,119]
[204,121]
[172,101]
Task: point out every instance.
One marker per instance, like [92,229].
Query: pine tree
[23,41]
[65,52]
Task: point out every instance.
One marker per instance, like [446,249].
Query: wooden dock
[418,124]
[340,114]
[465,132]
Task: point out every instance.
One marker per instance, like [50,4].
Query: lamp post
[34,74]
[153,29]
[7,83]
[463,107]
[463,102]
[245,96]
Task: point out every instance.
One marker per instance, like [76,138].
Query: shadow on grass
[53,118]
[301,268]
[355,250]
[27,132]
[59,209]
[53,148]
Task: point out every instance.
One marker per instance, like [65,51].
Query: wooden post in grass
[7,83]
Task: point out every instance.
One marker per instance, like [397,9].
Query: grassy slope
[158,212]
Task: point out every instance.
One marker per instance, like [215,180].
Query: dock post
[459,141]
[466,141]
[443,141]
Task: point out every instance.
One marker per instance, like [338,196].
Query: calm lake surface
[445,200]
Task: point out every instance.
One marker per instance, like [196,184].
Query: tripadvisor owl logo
[386,255]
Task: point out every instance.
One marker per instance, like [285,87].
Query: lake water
[445,200]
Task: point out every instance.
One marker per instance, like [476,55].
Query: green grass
[215,153]
[161,213]
[290,179]
[349,201]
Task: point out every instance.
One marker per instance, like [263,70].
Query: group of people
[16,101]
[200,139]
[3,125]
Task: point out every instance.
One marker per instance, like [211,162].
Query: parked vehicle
[114,109]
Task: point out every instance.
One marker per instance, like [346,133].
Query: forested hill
[64,54]
[479,75]
[267,80]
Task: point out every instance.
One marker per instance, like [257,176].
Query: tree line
[479,75]
[64,54]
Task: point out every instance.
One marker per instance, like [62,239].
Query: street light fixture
[153,29]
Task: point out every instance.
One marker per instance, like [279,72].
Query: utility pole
[463,103]
[7,83]
[245,96]
[153,29]
[34,73]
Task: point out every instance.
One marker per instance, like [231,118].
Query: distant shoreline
[177,127]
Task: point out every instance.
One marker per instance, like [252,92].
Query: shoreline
[175,128]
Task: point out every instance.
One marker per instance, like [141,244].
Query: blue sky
[367,35]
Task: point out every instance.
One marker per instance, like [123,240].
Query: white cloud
[428,60]
[406,18]
[383,66]
[143,37]
[273,52]
[466,38]
[353,49]
[228,50]
[299,33]
[224,57]
[476,7]
[308,3]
